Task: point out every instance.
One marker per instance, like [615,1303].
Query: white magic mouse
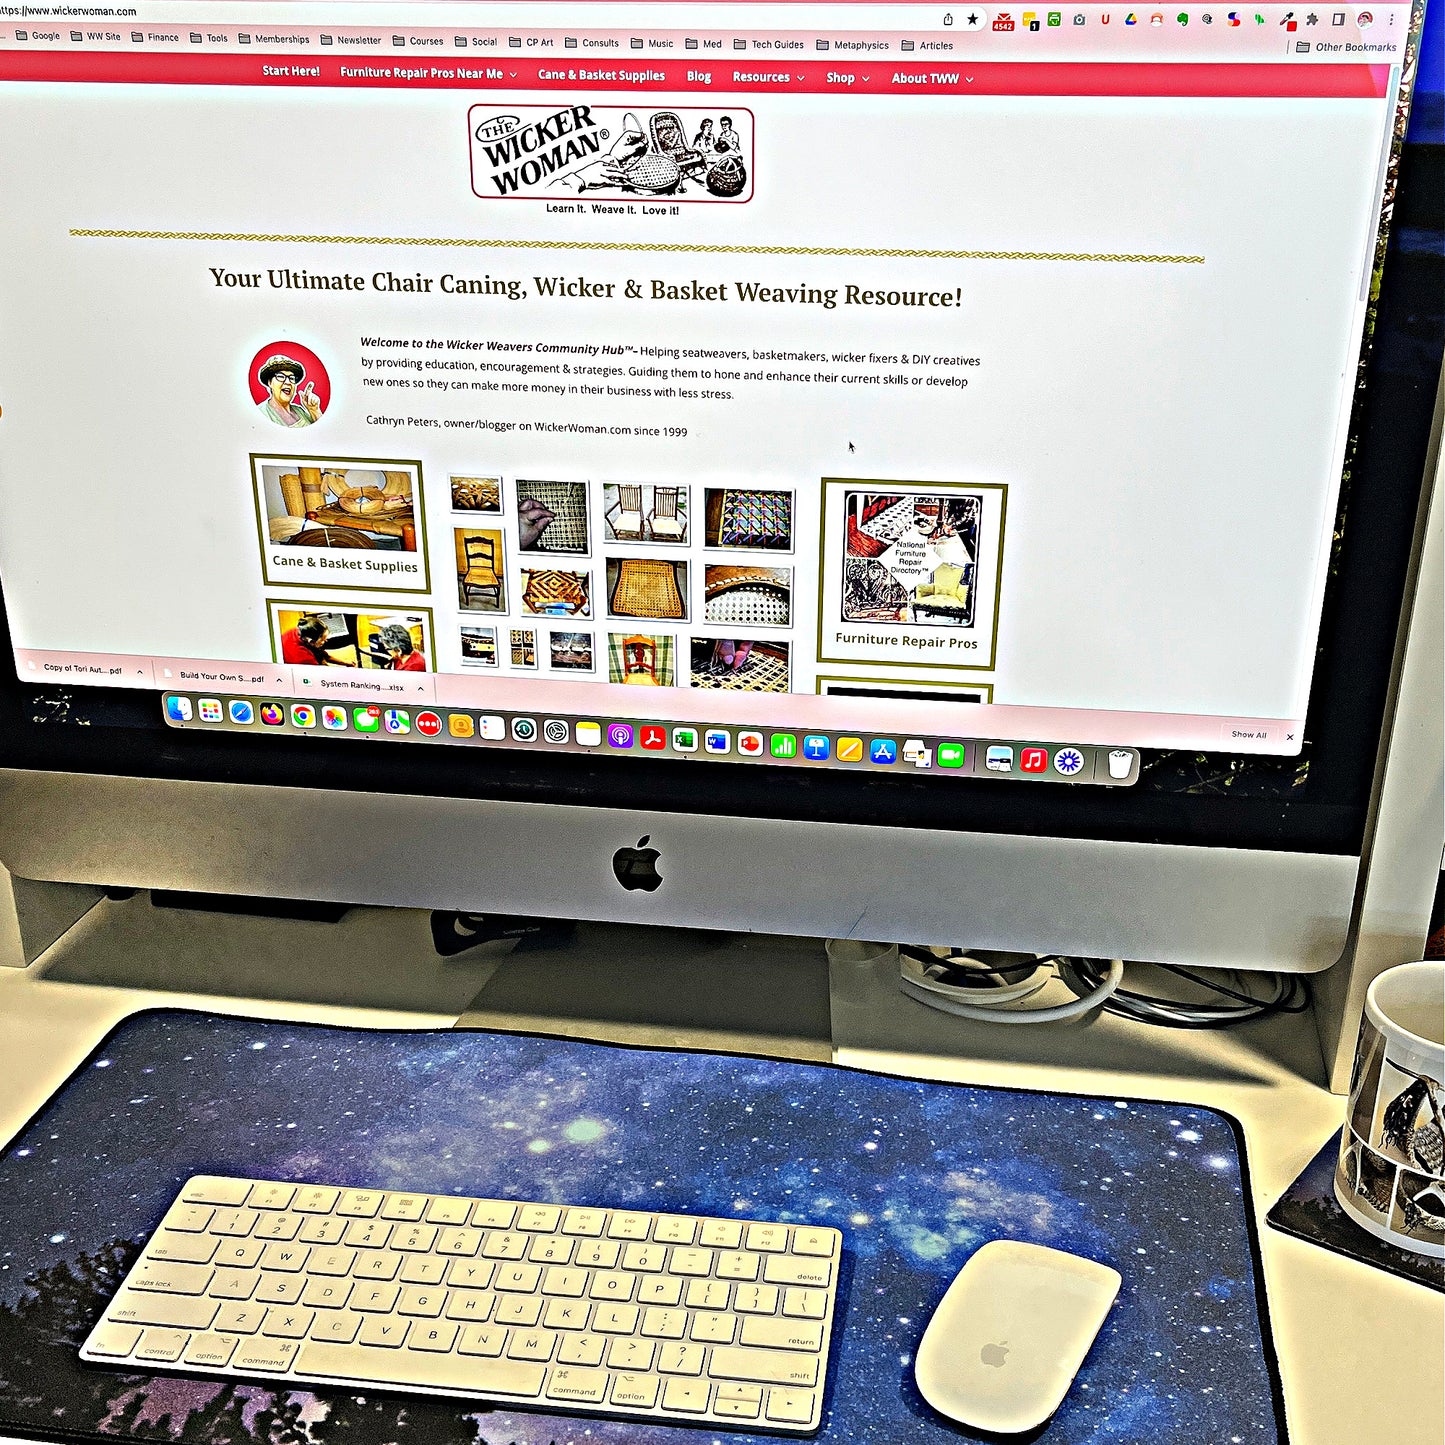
[1007,1339]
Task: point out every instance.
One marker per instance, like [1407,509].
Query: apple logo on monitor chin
[995,1355]
[637,867]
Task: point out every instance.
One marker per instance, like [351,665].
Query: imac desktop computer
[856,471]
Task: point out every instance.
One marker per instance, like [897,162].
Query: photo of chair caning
[749,596]
[547,592]
[647,587]
[727,665]
[564,509]
[759,520]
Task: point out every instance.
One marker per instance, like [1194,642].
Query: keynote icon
[289,384]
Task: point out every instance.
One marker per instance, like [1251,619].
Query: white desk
[1362,1354]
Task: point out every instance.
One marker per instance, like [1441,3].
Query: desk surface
[1360,1352]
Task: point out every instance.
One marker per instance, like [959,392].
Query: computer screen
[842,412]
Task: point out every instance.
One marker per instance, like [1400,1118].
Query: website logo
[178,709]
[550,152]
[241,713]
[211,709]
[334,718]
[303,715]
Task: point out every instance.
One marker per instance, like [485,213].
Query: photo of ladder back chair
[667,521]
[639,661]
[625,515]
[480,573]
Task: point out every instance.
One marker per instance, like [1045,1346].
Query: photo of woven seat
[567,502]
[889,523]
[524,647]
[756,596]
[725,666]
[550,593]
[476,494]
[647,587]
[758,519]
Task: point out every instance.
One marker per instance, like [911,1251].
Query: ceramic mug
[1391,1173]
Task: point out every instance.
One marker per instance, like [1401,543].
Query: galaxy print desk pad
[916,1175]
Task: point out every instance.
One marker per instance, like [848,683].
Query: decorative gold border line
[495,243]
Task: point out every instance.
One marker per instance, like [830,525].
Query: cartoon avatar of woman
[284,404]
[702,141]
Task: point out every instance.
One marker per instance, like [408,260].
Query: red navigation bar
[1367,82]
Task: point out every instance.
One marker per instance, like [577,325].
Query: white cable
[949,998]
[987,994]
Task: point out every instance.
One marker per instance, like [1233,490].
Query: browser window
[793,371]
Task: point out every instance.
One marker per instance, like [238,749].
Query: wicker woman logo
[537,152]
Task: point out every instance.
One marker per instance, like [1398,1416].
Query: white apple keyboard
[608,1312]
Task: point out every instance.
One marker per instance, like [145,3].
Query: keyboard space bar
[418,1368]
